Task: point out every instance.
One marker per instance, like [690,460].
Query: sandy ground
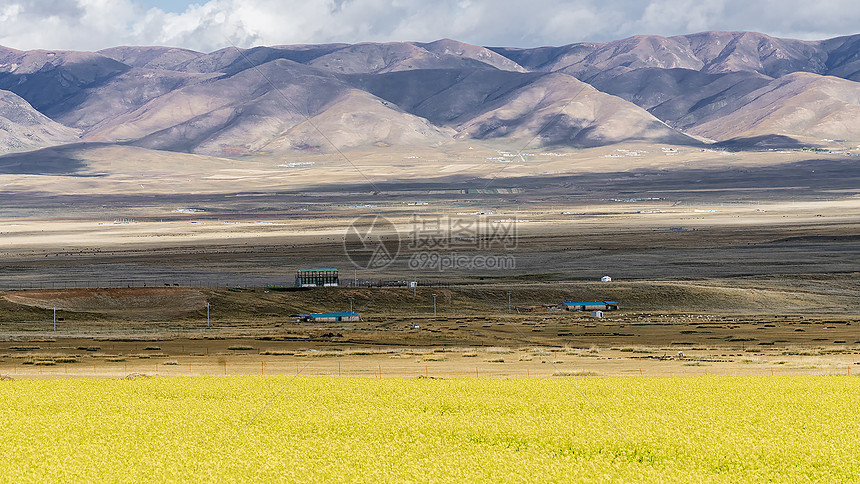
[120,170]
[23,237]
[632,240]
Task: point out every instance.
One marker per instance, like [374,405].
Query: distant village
[329,277]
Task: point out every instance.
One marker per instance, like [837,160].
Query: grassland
[253,429]
[755,326]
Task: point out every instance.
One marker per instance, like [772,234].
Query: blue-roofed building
[590,306]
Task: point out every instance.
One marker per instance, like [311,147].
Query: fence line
[13,285]
[182,367]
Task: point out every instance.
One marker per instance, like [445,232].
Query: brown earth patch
[128,301]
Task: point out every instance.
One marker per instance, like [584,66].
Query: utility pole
[55,319]
[434,305]
[350,305]
[207,316]
[509,301]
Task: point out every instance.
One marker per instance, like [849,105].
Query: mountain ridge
[716,86]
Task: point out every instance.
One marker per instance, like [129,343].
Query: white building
[597,314]
[606,279]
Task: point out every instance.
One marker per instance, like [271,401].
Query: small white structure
[597,314]
[606,279]
[412,284]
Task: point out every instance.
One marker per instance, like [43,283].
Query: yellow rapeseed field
[278,429]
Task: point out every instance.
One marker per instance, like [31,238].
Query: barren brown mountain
[705,87]
[22,128]
[796,105]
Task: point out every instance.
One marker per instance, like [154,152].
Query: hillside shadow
[833,178]
[56,160]
[760,142]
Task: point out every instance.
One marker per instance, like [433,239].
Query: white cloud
[681,15]
[206,26]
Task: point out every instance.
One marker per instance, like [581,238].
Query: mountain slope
[799,105]
[682,98]
[232,60]
[720,85]
[189,116]
[711,52]
[400,56]
[230,115]
[46,78]
[359,119]
[843,57]
[557,109]
[98,107]
[712,85]
[442,95]
[168,58]
[22,128]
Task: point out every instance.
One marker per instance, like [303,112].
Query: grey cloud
[206,26]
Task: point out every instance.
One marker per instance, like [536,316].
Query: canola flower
[278,429]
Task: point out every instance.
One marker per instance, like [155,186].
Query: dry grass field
[740,327]
[745,261]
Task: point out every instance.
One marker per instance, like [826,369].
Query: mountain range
[737,88]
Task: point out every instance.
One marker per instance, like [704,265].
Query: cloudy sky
[210,25]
